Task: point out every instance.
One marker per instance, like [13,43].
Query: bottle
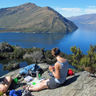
[37,74]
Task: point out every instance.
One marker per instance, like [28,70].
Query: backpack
[31,70]
[70,72]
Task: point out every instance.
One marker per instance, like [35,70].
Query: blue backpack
[31,70]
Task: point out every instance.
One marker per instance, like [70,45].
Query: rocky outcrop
[81,84]
[5,47]
[11,66]
[78,85]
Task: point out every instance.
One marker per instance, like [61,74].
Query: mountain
[32,18]
[87,21]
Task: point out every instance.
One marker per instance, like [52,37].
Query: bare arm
[56,73]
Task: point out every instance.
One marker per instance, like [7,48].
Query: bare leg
[8,79]
[4,87]
[42,85]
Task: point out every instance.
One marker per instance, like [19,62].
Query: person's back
[63,72]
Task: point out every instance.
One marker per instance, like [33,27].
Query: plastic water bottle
[37,74]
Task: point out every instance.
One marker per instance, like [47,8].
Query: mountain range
[32,18]
[87,21]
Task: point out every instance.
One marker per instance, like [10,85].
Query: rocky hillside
[85,21]
[78,85]
[32,18]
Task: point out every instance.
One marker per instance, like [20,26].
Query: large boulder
[78,85]
[81,84]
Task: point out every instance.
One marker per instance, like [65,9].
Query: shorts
[52,84]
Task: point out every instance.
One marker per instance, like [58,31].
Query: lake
[81,38]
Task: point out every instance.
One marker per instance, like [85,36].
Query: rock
[11,66]
[78,85]
[44,66]
[5,47]
[90,69]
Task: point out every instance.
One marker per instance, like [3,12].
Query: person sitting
[59,71]
[5,83]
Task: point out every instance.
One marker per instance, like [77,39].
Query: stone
[44,66]
[11,66]
[80,84]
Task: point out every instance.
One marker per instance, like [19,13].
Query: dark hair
[55,51]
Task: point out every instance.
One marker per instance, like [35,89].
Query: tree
[76,56]
[92,55]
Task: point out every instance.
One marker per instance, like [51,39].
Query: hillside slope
[32,18]
[85,21]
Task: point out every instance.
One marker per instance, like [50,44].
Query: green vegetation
[81,61]
[11,66]
[77,59]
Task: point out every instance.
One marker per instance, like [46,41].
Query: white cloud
[67,12]
[90,11]
[71,9]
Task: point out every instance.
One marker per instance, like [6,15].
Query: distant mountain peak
[47,7]
[87,21]
[28,4]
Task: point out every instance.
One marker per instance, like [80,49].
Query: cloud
[71,9]
[68,12]
[90,9]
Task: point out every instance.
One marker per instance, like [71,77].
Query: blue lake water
[2,72]
[80,38]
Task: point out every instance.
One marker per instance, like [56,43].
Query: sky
[67,8]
